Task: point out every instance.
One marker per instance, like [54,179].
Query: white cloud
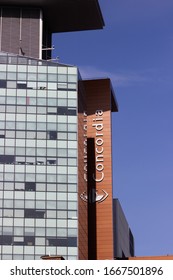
[118,78]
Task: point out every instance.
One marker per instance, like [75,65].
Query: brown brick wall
[82,183]
[98,94]
[16,24]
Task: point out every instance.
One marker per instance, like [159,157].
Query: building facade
[38,158]
[123,238]
[42,108]
[101,102]
[55,138]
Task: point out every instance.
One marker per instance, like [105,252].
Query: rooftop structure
[65,15]
[26,27]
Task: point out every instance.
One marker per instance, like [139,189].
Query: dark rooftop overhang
[107,81]
[65,15]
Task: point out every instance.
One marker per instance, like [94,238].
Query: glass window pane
[11,75]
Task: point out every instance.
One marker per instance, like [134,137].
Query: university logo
[94,196]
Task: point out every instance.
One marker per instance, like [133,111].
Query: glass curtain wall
[38,158]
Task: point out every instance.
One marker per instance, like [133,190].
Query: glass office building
[38,158]
[41,131]
[55,138]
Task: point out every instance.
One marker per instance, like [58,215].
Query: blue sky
[135,49]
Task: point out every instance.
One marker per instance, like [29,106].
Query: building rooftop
[65,15]
[114,103]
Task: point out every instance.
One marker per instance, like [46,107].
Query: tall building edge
[101,102]
[82,173]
